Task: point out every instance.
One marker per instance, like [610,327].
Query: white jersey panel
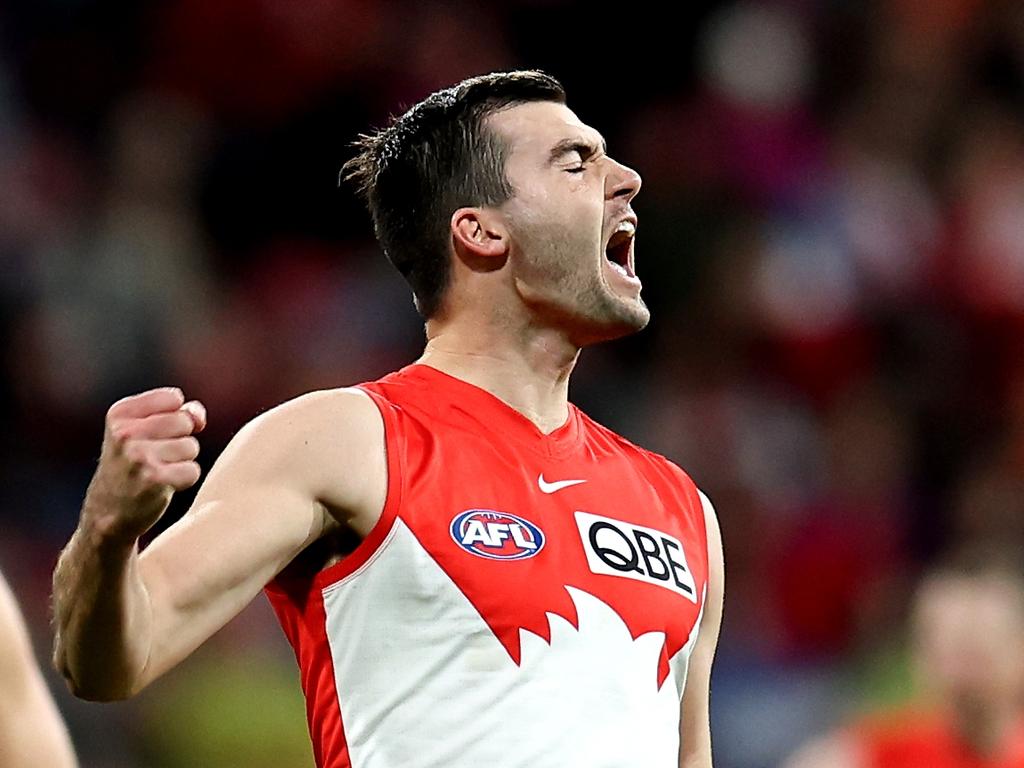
[424,683]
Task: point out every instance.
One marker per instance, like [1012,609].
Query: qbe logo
[616,548]
[496,535]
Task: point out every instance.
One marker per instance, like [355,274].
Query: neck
[527,367]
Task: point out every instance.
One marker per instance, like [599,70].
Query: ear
[479,234]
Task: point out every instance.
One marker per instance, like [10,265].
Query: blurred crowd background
[831,240]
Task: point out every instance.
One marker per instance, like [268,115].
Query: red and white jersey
[524,600]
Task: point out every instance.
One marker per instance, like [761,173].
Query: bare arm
[125,618]
[695,725]
[31,730]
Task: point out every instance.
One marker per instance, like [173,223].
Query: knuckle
[116,406]
[119,433]
[185,475]
[135,454]
[149,476]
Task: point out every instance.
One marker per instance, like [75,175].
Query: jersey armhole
[373,541]
[707,509]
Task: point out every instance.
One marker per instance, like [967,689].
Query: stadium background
[831,240]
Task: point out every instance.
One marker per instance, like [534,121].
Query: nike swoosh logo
[547,487]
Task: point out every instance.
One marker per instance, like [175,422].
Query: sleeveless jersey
[524,600]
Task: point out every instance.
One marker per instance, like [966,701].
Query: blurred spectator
[968,642]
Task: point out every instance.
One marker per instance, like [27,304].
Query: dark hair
[983,558]
[433,160]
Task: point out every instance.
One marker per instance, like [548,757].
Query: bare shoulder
[711,525]
[320,415]
[329,443]
[716,572]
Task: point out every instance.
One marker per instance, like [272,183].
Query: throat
[529,381]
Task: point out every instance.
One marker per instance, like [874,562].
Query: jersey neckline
[492,414]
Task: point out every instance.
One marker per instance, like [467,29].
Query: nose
[622,181]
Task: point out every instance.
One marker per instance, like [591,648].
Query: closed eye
[575,151]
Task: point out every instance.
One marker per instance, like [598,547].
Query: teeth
[627,227]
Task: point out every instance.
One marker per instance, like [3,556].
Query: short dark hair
[434,159]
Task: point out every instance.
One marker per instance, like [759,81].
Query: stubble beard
[568,289]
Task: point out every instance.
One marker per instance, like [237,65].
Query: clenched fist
[148,453]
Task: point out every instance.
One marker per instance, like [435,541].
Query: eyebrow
[586,149]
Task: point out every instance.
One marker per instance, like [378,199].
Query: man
[470,570]
[32,733]
[968,622]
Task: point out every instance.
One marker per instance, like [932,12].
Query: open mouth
[619,250]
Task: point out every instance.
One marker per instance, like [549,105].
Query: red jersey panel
[525,599]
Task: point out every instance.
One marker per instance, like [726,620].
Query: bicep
[695,722]
[204,569]
[262,504]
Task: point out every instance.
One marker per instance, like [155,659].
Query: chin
[617,319]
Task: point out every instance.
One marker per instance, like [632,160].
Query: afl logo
[496,535]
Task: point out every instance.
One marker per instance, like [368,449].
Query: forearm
[696,739]
[701,759]
[103,615]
